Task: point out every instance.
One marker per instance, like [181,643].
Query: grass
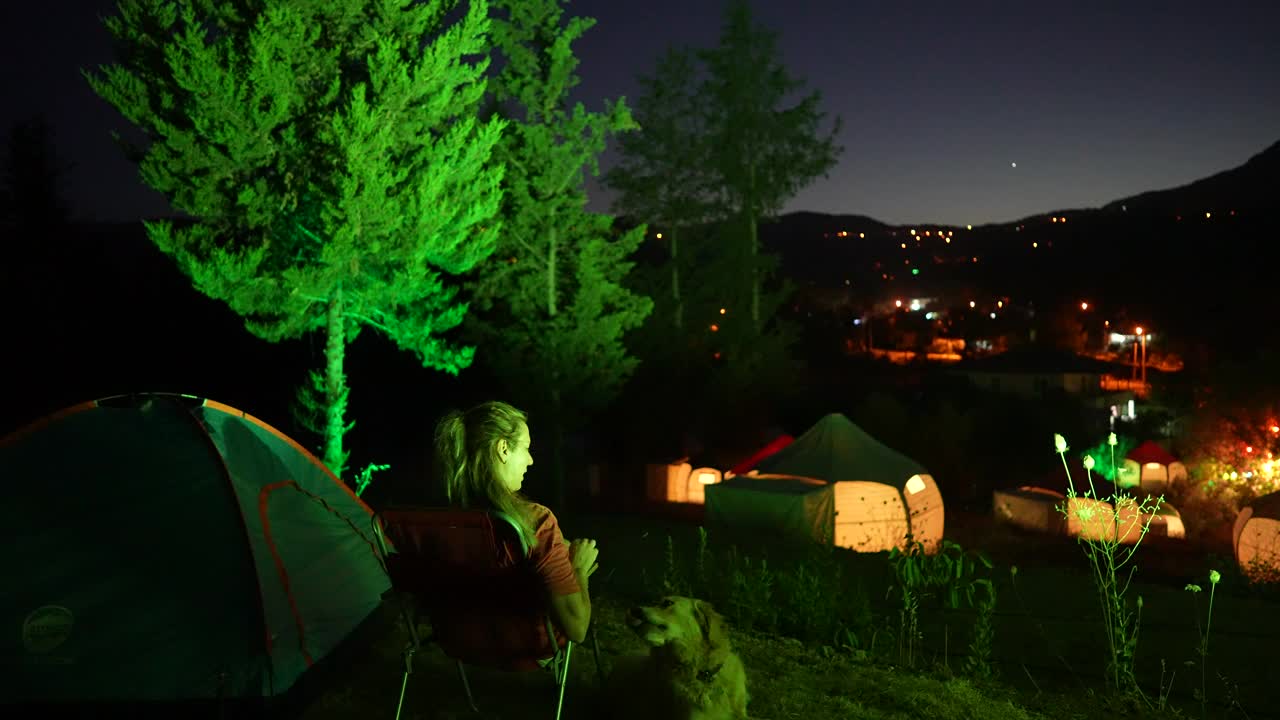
[1046,646]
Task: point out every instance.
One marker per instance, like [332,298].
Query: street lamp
[1142,340]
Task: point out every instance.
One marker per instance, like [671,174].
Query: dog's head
[688,629]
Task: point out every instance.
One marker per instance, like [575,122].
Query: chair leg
[404,682]
[563,677]
[595,650]
[409,651]
[466,686]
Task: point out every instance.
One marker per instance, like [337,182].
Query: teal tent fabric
[835,449]
[163,547]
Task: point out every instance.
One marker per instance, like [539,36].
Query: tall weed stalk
[1104,525]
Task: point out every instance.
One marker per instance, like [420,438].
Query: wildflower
[1111,440]
[1214,576]
[1192,588]
[1088,462]
[1059,443]
[1139,602]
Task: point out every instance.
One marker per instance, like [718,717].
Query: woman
[483,455]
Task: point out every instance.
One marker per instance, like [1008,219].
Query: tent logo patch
[46,628]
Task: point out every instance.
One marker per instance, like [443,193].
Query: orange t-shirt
[517,639]
[549,555]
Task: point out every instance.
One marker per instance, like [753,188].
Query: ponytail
[451,457]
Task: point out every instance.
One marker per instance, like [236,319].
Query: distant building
[1033,372]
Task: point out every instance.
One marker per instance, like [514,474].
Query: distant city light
[715,328]
[862,235]
[915,305]
[1084,306]
[999,303]
[904,246]
[913,232]
[915,271]
[897,303]
[993,316]
[968,227]
[659,236]
[722,309]
[1207,216]
[1035,244]
[972,303]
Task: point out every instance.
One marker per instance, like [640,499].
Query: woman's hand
[583,554]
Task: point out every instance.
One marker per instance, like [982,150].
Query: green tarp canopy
[835,449]
[794,509]
[163,547]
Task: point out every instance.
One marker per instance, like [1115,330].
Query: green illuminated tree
[330,160]
[554,310]
[661,177]
[763,150]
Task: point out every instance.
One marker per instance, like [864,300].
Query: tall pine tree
[661,176]
[331,161]
[555,310]
[763,149]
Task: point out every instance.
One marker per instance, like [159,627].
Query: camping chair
[465,570]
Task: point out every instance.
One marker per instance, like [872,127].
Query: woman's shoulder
[540,515]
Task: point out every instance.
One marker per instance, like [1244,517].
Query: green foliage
[553,306]
[1108,464]
[764,150]
[951,576]
[366,476]
[807,597]
[330,162]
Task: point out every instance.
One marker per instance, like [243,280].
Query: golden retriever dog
[691,673]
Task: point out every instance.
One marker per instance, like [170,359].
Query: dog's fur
[691,673]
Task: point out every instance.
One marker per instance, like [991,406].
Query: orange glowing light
[1275,428]
[1084,306]
[715,328]
[1138,330]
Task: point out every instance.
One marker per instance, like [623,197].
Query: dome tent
[186,551]
[879,496]
[1152,468]
[1256,538]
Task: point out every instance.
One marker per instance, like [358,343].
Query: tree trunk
[675,281]
[335,395]
[551,272]
[753,242]
[754,250]
[557,452]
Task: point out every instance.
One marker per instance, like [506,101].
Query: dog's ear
[713,632]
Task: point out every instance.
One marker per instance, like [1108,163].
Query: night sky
[1093,101]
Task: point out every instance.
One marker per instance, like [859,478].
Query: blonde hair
[466,448]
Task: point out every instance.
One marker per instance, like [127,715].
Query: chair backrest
[467,569]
